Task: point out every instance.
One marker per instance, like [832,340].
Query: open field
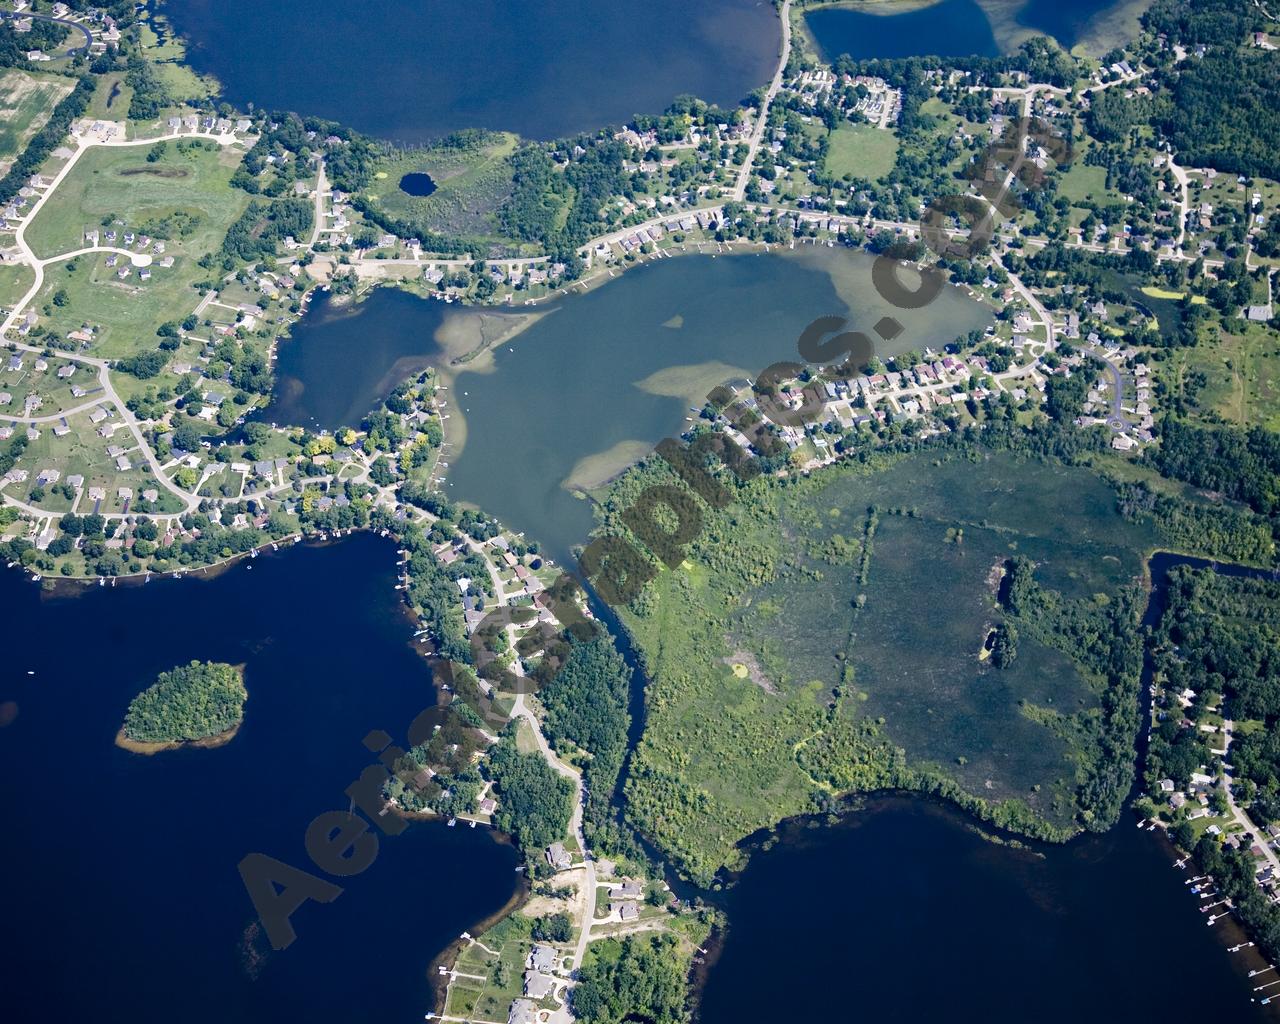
[1236,378]
[186,190]
[111,97]
[15,279]
[26,101]
[472,181]
[862,151]
[1086,182]
[828,636]
[82,452]
[123,314]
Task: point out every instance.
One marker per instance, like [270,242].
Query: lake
[902,912]
[959,28]
[342,359]
[951,28]
[122,896]
[594,384]
[410,71]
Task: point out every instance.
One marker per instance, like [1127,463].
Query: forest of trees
[263,226]
[587,704]
[1106,640]
[1240,464]
[190,702]
[534,802]
[1215,531]
[641,978]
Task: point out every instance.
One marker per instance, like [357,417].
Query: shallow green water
[578,385]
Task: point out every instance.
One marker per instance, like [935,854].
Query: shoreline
[151,748]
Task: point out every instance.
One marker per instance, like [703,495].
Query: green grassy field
[26,101]
[83,452]
[1085,181]
[808,647]
[14,282]
[471,181]
[490,1000]
[185,195]
[1237,378]
[861,150]
[120,183]
[124,314]
[111,98]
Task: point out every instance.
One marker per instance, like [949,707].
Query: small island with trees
[200,704]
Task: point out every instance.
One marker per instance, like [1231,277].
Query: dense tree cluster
[1105,638]
[263,226]
[190,702]
[587,705]
[535,803]
[1243,464]
[641,978]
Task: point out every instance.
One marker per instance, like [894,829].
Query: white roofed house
[557,856]
[523,1011]
[538,985]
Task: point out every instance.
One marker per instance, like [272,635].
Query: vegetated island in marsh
[199,705]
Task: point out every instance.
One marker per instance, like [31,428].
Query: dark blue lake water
[412,70]
[951,28]
[121,894]
[902,913]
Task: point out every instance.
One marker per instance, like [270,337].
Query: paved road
[1241,818]
[73,25]
[757,135]
[1118,420]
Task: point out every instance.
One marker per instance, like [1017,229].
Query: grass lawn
[1086,182]
[862,151]
[26,101]
[183,198]
[490,1000]
[14,282]
[111,98]
[84,453]
[124,314]
[192,179]
[472,180]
